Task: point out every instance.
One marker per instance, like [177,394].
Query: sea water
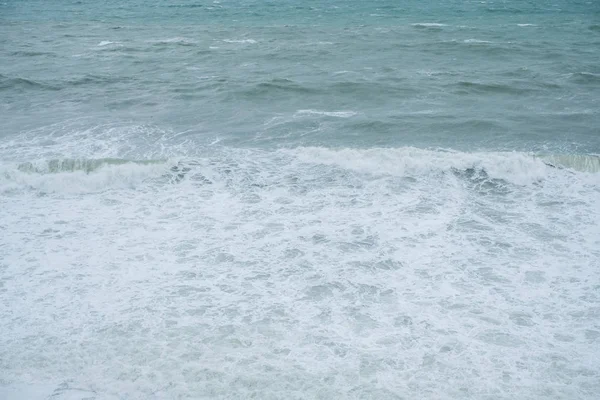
[299,199]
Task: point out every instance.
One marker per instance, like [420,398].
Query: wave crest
[81,175]
[241,168]
[518,168]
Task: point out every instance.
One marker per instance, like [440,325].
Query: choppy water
[290,199]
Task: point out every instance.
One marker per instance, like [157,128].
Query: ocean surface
[294,199]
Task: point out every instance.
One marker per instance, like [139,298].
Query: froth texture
[306,272]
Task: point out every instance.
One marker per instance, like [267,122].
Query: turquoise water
[466,75]
[284,199]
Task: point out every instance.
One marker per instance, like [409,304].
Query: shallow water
[261,199]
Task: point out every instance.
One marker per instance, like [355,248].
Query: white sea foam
[515,167]
[77,139]
[428,24]
[106,43]
[294,273]
[103,177]
[338,114]
[523,25]
[175,40]
[476,41]
[249,41]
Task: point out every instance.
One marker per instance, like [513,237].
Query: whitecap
[106,43]
[250,41]
[337,114]
[476,41]
[176,40]
[206,77]
[428,25]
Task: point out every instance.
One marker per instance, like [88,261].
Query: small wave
[249,41]
[22,53]
[428,25]
[193,5]
[504,10]
[175,40]
[27,84]
[90,79]
[476,41]
[106,43]
[477,87]
[524,25]
[575,162]
[319,43]
[491,48]
[595,28]
[278,85]
[338,114]
[22,84]
[585,77]
[429,72]
[369,88]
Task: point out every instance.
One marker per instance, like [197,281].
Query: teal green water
[496,75]
[293,199]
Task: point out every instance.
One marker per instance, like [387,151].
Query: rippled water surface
[284,199]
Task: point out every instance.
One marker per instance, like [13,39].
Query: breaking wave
[256,168]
